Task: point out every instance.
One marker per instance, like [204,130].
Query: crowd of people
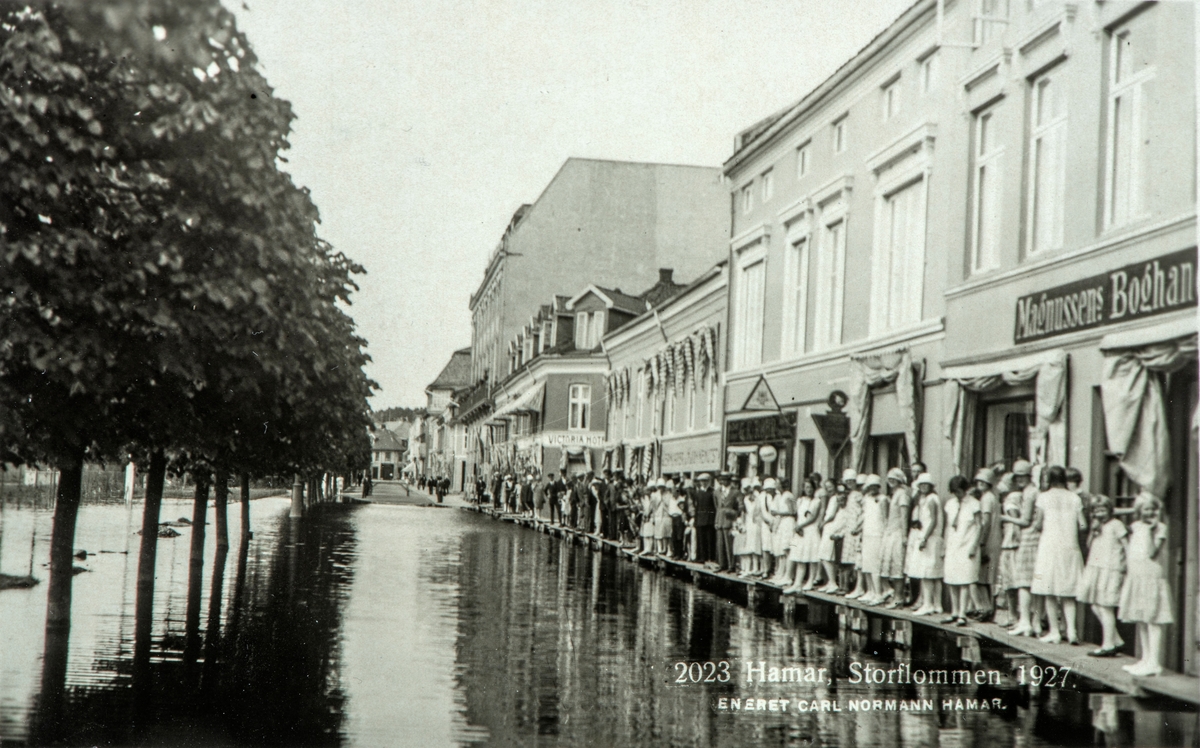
[1021,547]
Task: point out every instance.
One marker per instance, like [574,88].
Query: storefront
[761,446]
[571,452]
[691,454]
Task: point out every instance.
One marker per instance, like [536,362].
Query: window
[749,311]
[802,159]
[839,135]
[768,184]
[1130,70]
[986,193]
[891,99]
[589,328]
[1047,146]
[579,398]
[991,20]
[547,337]
[748,198]
[897,276]
[795,300]
[831,258]
[928,65]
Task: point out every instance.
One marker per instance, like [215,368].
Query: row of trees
[163,290]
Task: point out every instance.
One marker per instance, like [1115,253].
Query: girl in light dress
[963,528]
[924,554]
[1010,541]
[1056,569]
[895,530]
[1100,583]
[1022,562]
[833,529]
[874,517]
[984,592]
[785,530]
[852,545]
[753,514]
[662,518]
[800,556]
[769,496]
[739,531]
[647,532]
[1145,594]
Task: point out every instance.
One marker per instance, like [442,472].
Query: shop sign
[761,397]
[571,439]
[834,425]
[690,455]
[1142,289]
[776,428]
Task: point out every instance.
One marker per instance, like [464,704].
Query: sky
[422,125]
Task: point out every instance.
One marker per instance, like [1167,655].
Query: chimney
[664,275]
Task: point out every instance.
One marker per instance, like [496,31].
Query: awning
[530,401]
[1170,330]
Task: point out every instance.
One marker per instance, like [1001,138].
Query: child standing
[1145,593]
[1100,583]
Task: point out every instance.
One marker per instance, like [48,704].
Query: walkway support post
[297,497]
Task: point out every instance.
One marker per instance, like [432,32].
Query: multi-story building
[388,450]
[665,402]
[617,222]
[976,242]
[444,457]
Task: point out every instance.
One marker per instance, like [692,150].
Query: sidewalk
[395,492]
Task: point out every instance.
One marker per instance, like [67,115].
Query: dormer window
[589,328]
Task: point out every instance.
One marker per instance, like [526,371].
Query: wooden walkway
[1106,671]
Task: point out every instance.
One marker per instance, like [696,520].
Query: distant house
[387,454]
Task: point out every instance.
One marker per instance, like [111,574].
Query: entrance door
[1002,431]
[885,452]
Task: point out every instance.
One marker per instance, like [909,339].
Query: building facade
[974,243]
[662,385]
[444,439]
[615,222]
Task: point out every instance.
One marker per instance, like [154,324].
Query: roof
[660,292]
[762,132]
[455,374]
[612,298]
[385,439]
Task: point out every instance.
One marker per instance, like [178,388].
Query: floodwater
[399,625]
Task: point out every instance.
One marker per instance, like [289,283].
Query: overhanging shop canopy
[531,401]
[1047,369]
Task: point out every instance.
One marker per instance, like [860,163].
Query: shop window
[1047,161]
[1131,51]
[808,451]
[579,406]
[1002,431]
[885,452]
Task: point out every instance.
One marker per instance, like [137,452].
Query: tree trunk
[191,624]
[62,541]
[148,554]
[245,504]
[297,497]
[221,505]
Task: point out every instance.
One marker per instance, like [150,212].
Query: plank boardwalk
[1104,671]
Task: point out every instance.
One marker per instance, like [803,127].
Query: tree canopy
[162,280]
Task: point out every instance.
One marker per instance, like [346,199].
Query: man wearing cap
[728,508]
[983,592]
[702,511]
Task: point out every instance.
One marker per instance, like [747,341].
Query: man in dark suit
[729,508]
[702,510]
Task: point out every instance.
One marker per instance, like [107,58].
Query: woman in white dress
[806,534]
[924,555]
[875,504]
[785,511]
[1058,516]
[961,568]
[753,515]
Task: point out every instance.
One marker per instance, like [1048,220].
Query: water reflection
[392,626]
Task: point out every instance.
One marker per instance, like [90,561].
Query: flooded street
[396,625]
